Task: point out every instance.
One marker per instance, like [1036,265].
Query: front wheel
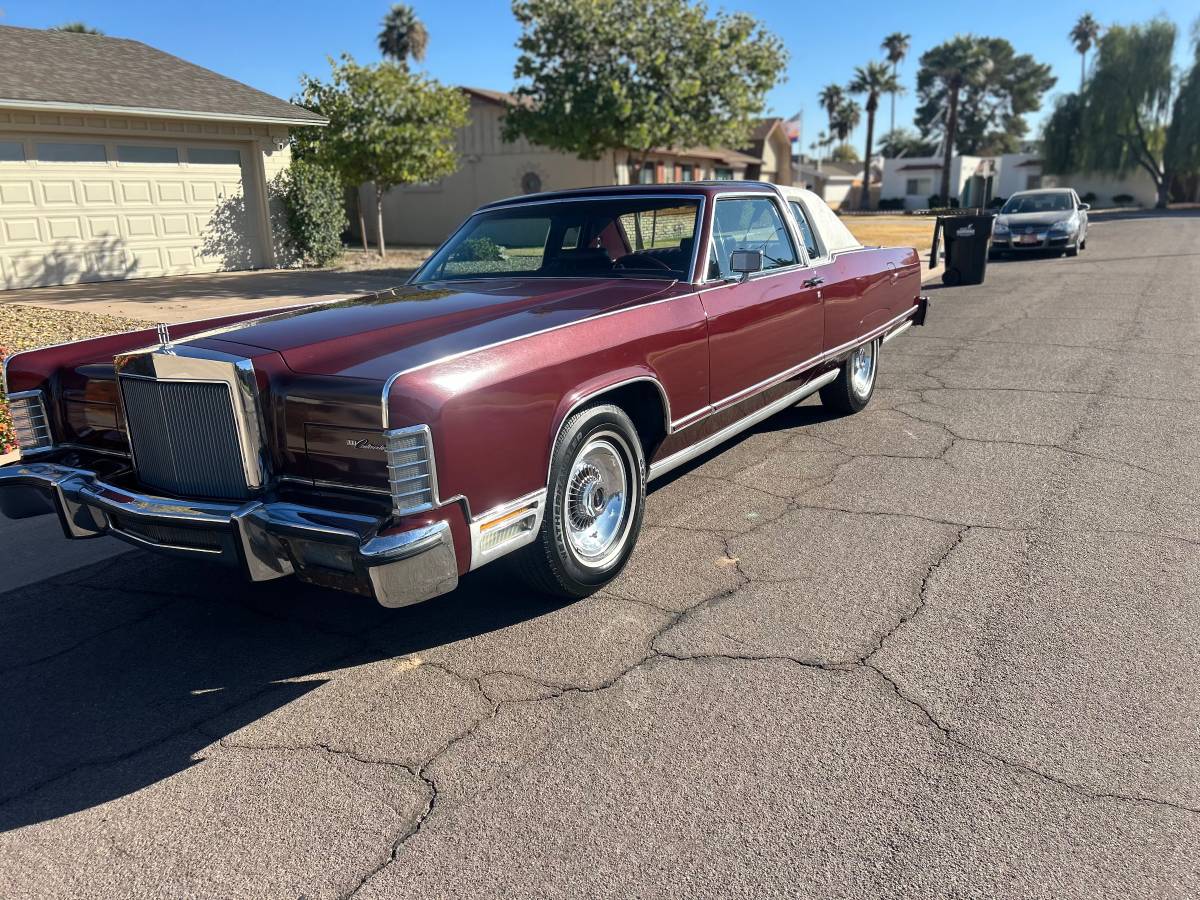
[594,505]
[851,391]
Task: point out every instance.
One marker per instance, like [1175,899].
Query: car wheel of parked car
[851,391]
[594,505]
[1073,250]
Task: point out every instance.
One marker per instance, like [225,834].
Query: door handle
[815,281]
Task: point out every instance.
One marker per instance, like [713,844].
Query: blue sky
[268,45]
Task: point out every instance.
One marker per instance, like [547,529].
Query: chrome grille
[29,421]
[410,469]
[184,437]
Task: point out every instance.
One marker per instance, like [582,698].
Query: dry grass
[400,261]
[893,231]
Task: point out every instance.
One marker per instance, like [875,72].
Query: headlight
[1065,226]
[999,228]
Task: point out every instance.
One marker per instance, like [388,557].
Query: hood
[1045,219]
[377,335]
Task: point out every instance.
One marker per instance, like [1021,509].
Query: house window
[687,173]
[71,153]
[214,156]
[12,151]
[647,175]
[139,153]
[721,173]
[918,186]
[1033,182]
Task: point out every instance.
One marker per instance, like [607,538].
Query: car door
[764,325]
[843,282]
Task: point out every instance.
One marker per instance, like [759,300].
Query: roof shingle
[58,67]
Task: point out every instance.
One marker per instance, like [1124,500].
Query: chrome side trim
[480,556]
[67,445]
[826,356]
[662,467]
[896,332]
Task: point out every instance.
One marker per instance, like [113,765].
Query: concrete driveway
[944,648]
[182,298]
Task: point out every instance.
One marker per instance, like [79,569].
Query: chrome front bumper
[264,539]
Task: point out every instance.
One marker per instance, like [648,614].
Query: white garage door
[87,209]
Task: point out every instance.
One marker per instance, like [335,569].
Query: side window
[807,234]
[750,223]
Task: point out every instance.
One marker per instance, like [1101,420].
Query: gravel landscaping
[26,327]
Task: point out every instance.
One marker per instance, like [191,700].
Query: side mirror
[1085,206]
[746,262]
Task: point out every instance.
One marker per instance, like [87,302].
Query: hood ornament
[164,335]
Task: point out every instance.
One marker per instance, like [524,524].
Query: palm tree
[896,45]
[954,65]
[77,28]
[403,35]
[849,114]
[873,79]
[1084,35]
[832,96]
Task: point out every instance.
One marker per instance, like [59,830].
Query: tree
[589,82]
[945,71]
[849,115]
[896,44]
[844,153]
[832,97]
[873,79]
[77,28]
[904,142]
[1182,151]
[1085,33]
[387,127]
[403,35]
[1119,121]
[975,92]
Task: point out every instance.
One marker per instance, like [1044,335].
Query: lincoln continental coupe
[511,400]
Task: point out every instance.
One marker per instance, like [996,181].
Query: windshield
[605,237]
[1059,201]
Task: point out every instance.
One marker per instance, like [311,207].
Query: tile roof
[68,70]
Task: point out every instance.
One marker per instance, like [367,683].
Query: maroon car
[556,353]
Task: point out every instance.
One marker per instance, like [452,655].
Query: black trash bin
[967,238]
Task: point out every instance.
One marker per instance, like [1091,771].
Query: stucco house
[769,142]
[492,169]
[118,160]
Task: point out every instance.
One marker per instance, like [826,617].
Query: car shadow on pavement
[118,673]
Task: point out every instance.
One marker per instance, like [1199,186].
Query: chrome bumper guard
[265,540]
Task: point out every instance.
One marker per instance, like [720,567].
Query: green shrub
[480,249]
[891,203]
[1089,197]
[316,212]
[1122,199]
[995,203]
[935,201]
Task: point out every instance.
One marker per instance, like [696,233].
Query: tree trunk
[379,219]
[1082,71]
[1164,191]
[895,72]
[362,227]
[865,200]
[948,150]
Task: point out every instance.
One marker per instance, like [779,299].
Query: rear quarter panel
[885,283]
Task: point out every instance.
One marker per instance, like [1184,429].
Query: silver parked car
[1046,219]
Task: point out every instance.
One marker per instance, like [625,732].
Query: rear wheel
[851,391]
[594,506]
[1073,250]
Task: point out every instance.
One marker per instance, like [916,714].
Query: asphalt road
[944,648]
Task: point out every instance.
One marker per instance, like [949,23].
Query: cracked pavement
[943,648]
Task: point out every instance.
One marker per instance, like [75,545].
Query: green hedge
[315,205]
